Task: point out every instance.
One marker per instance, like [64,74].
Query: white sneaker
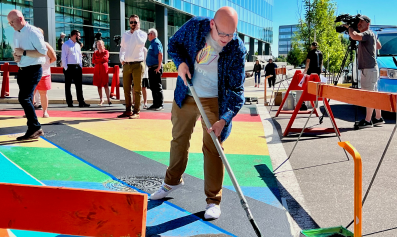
[164,190]
[212,211]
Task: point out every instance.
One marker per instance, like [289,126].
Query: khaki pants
[183,121]
[133,73]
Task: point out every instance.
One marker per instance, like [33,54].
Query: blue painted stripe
[267,195]
[12,174]
[76,184]
[114,178]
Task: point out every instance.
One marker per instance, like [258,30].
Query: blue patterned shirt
[183,47]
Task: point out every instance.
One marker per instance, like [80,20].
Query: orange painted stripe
[72,211]
[370,99]
[143,115]
[4,233]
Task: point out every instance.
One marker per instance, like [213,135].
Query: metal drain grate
[144,183]
[117,186]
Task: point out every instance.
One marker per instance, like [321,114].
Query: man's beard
[133,27]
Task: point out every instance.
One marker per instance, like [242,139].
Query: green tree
[319,26]
[281,58]
[295,56]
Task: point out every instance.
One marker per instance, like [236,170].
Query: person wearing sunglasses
[209,52]
[131,57]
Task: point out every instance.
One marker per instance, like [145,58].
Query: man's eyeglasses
[133,22]
[223,35]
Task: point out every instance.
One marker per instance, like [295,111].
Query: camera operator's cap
[314,44]
[63,34]
[365,18]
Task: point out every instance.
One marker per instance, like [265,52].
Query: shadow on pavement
[297,212]
[381,231]
[155,231]
[11,142]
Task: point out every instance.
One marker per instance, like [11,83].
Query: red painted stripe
[107,115]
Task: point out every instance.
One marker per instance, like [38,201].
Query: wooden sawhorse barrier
[294,86]
[312,98]
[72,211]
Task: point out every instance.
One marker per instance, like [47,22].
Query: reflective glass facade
[255,16]
[89,17]
[284,38]
[7,32]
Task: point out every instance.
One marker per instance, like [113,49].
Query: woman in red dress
[101,75]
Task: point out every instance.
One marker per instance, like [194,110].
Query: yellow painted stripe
[155,135]
[10,140]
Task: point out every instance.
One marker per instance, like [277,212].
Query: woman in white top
[145,81]
[45,81]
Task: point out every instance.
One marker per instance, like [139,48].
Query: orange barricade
[312,98]
[294,86]
[358,186]
[70,211]
[371,99]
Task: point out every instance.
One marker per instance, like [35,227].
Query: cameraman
[367,64]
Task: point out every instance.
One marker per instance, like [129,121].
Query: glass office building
[285,34]
[110,18]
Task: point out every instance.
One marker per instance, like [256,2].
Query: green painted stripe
[52,164]
[243,167]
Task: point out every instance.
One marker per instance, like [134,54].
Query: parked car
[387,67]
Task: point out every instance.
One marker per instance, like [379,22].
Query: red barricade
[6,68]
[294,86]
[312,98]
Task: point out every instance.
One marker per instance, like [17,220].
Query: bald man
[29,52]
[217,74]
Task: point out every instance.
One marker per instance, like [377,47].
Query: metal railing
[86,57]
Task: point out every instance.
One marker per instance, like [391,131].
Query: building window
[6,31]
[89,17]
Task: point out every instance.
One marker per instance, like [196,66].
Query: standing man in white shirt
[29,52]
[131,57]
[72,68]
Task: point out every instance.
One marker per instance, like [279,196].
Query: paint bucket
[290,102]
[338,231]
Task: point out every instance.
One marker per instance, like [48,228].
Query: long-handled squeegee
[243,201]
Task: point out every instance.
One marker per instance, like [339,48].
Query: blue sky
[381,12]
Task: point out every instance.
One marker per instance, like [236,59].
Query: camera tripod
[350,52]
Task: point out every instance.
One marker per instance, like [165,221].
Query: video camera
[348,19]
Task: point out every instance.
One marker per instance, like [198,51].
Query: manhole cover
[144,183]
[49,134]
[117,186]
